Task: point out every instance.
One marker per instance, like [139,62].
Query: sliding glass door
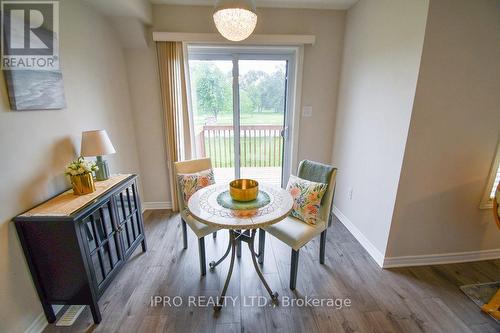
[240,102]
[212,114]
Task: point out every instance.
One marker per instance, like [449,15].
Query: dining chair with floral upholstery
[318,182]
[191,176]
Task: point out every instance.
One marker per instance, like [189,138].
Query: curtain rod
[161,36]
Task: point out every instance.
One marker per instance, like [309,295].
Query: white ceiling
[315,4]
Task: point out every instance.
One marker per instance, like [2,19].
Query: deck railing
[260,145]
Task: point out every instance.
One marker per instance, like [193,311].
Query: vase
[83,184]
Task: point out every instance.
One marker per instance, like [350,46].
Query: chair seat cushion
[200,229]
[294,232]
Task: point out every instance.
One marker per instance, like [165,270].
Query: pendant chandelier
[235,19]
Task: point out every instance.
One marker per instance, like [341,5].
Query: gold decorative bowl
[244,189]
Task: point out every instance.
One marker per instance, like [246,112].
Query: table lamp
[97,143]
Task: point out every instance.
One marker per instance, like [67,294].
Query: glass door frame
[230,53]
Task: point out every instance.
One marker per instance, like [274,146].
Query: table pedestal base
[235,238]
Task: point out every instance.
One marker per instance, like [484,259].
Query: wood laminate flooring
[418,299]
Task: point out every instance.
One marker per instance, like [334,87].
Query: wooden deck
[267,175]
[418,299]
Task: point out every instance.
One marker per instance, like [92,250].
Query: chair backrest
[190,166]
[321,173]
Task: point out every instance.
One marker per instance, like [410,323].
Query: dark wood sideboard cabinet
[74,258]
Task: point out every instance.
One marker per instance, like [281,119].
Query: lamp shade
[235,19]
[96,143]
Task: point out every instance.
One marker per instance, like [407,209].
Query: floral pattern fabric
[306,198]
[191,182]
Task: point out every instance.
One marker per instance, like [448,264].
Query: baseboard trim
[40,322]
[152,205]
[38,325]
[419,260]
[440,259]
[360,237]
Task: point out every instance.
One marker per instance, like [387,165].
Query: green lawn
[254,152]
[264,118]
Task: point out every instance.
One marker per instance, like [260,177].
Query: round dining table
[214,206]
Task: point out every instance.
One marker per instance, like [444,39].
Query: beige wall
[382,49]
[319,88]
[148,121]
[454,130]
[36,145]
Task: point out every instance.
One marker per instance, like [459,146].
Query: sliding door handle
[284,132]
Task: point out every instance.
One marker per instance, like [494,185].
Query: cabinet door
[103,243]
[129,217]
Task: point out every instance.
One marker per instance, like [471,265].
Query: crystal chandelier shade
[235,20]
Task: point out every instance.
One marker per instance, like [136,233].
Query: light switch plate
[307,111]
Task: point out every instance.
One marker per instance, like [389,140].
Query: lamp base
[103,172]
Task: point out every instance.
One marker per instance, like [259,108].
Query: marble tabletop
[204,207]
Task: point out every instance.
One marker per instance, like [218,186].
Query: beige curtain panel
[175,108]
